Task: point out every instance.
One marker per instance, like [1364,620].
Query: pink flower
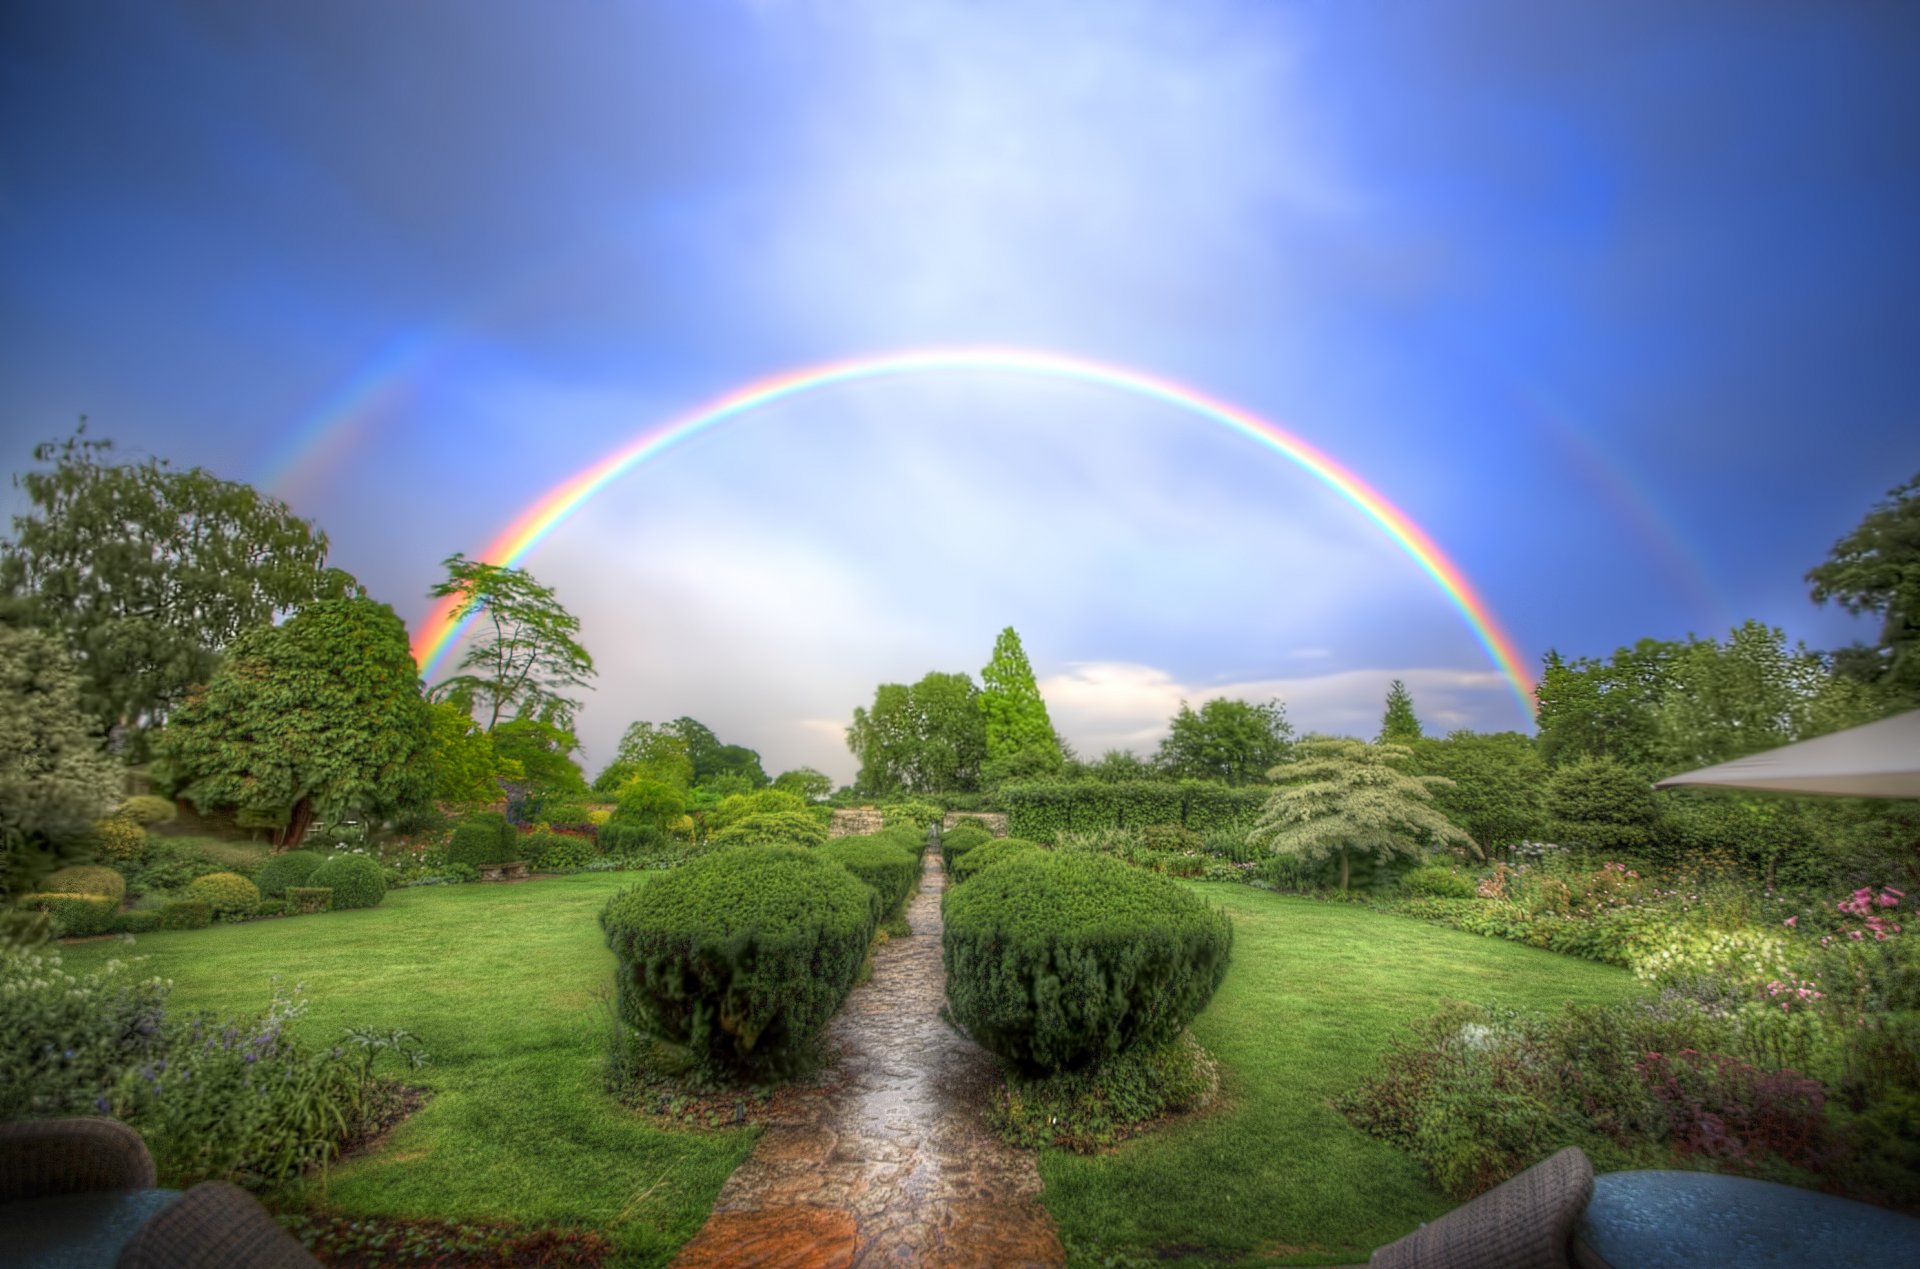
[1854,934]
[1791,921]
[1887,901]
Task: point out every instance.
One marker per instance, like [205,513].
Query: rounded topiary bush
[477,840]
[773,828]
[86,879]
[881,864]
[993,852]
[1056,961]
[226,894]
[355,880]
[291,869]
[148,809]
[121,839]
[957,841]
[742,955]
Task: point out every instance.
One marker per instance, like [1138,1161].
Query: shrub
[306,900]
[772,828]
[76,916]
[599,815]
[226,894]
[568,851]
[476,842]
[87,879]
[631,840]
[147,809]
[1056,961]
[355,880]
[270,908]
[881,864]
[742,955]
[1438,883]
[186,914]
[137,922]
[121,839]
[535,846]
[282,872]
[1084,1110]
[913,813]
[988,854]
[959,840]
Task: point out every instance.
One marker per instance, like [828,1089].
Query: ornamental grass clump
[356,881]
[740,956]
[283,872]
[1005,848]
[890,871]
[1057,961]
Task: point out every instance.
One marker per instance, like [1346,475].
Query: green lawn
[498,982]
[1275,1175]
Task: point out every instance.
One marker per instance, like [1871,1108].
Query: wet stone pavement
[885,1161]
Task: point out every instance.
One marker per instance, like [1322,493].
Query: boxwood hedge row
[1042,811]
[1056,961]
[989,853]
[881,863]
[956,842]
[742,955]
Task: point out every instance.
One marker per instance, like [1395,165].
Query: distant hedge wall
[1042,811]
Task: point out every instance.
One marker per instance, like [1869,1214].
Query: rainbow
[437,632]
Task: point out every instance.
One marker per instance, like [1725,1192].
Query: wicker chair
[50,1164]
[1523,1223]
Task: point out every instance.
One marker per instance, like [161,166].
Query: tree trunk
[1343,870]
[297,825]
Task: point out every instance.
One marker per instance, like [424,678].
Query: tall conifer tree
[1016,715]
[1399,725]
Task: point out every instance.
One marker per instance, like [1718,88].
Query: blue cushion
[76,1231]
[1665,1220]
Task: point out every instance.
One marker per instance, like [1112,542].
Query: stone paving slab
[886,1162]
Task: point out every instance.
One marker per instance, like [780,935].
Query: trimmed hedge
[137,922]
[988,854]
[741,955]
[282,872]
[1056,961]
[87,879]
[773,828]
[148,809]
[881,864]
[957,841]
[1043,810]
[185,914]
[121,839]
[355,880]
[77,916]
[225,894]
[477,840]
[306,900]
[618,837]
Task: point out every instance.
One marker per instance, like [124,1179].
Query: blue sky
[1616,300]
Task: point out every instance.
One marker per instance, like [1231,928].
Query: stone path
[886,1162]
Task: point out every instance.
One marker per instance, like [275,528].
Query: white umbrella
[1879,760]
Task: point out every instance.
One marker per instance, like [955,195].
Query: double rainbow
[437,632]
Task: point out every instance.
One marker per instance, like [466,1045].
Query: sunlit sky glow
[1613,301]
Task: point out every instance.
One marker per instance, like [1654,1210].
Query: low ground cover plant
[740,956]
[1057,961]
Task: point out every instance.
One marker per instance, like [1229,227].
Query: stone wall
[855,822]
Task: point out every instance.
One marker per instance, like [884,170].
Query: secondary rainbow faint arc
[437,633]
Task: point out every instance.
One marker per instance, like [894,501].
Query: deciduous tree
[1876,569]
[1227,740]
[526,658]
[1498,792]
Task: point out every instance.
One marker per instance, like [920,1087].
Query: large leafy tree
[466,767]
[1600,803]
[1595,708]
[543,751]
[1227,740]
[147,572]
[926,738]
[1399,725]
[1015,714]
[321,717]
[1346,797]
[1498,789]
[646,749]
[1876,569]
[814,786]
[711,758]
[526,657]
[54,779]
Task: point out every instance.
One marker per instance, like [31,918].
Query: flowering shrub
[1743,955]
[1729,1110]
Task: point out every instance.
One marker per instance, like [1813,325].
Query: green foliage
[524,658]
[1876,569]
[882,864]
[148,573]
[913,812]
[1013,711]
[226,894]
[137,922]
[1601,804]
[630,840]
[466,768]
[1234,742]
[542,752]
[804,782]
[147,810]
[713,760]
[960,839]
[739,806]
[356,881]
[1498,789]
[657,753]
[1043,811]
[1058,961]
[1399,725]
[535,846]
[281,872]
[552,851]
[1439,883]
[650,802]
[772,828]
[120,840]
[969,862]
[477,841]
[320,717]
[86,879]
[927,738]
[307,900]
[741,956]
[76,916]
[1089,1109]
[186,914]
[1345,798]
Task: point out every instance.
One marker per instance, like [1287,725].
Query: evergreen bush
[226,894]
[77,916]
[121,839]
[306,900]
[87,879]
[881,864]
[147,809]
[537,845]
[477,841]
[960,839]
[291,869]
[629,840]
[1439,883]
[742,955]
[1056,961]
[185,914]
[773,828]
[988,854]
[137,922]
[356,881]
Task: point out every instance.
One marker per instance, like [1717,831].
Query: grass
[1273,1174]
[499,984]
